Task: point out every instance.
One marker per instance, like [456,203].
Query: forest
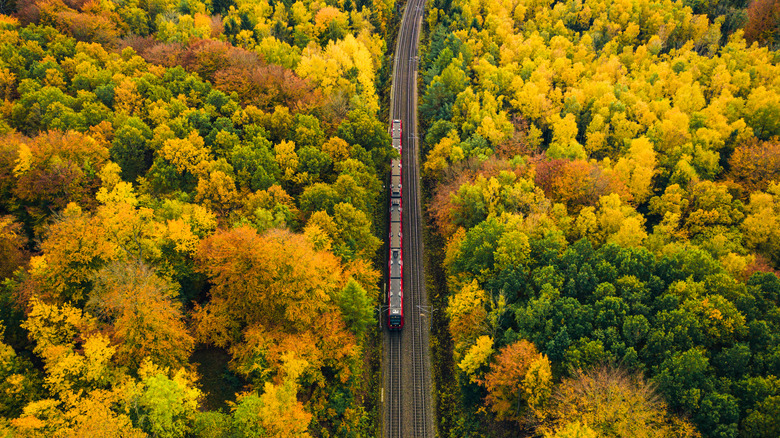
[603,189]
[190,198]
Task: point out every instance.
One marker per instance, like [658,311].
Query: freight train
[395,298]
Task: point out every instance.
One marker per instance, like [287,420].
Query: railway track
[395,387]
[408,407]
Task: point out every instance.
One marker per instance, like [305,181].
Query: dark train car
[395,298]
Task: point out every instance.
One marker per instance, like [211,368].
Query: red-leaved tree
[763,23]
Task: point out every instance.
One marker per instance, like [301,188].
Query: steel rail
[404,107]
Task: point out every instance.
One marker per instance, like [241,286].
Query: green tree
[685,378]
[356,307]
[360,128]
[161,405]
[355,237]
[763,420]
[130,148]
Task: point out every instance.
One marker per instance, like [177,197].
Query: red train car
[395,298]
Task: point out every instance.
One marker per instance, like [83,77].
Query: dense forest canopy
[191,194]
[189,203]
[604,185]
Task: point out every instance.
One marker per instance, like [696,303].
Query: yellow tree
[330,68]
[73,246]
[637,169]
[187,154]
[613,221]
[77,245]
[445,153]
[163,403]
[76,356]
[614,404]
[81,415]
[513,248]
[217,188]
[467,313]
[337,149]
[129,227]
[564,143]
[476,357]
[277,411]
[575,429]
[287,159]
[760,227]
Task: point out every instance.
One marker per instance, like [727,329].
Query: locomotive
[395,298]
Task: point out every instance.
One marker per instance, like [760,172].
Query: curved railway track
[408,407]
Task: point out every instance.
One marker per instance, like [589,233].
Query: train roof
[395,295]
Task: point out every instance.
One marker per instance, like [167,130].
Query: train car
[395,133]
[395,299]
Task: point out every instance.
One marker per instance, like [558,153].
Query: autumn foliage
[576,183]
[288,282]
[11,246]
[763,22]
[147,150]
[178,177]
[236,70]
[268,85]
[615,403]
[603,179]
[755,164]
[518,383]
[146,319]
[274,295]
[56,168]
